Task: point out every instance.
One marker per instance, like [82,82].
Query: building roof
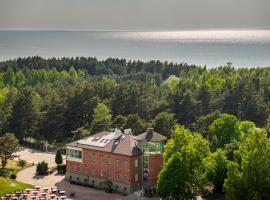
[150,136]
[113,142]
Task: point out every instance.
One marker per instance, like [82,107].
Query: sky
[134,14]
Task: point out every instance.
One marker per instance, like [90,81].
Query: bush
[13,176]
[61,169]
[4,172]
[42,168]
[22,163]
[58,157]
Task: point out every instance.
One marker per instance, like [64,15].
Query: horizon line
[137,30]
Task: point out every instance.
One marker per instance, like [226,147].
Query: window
[74,153]
[126,177]
[71,167]
[93,156]
[85,156]
[125,163]
[110,160]
[117,162]
[86,170]
[78,167]
[117,176]
[93,171]
[110,174]
[101,159]
[136,177]
[136,163]
[101,173]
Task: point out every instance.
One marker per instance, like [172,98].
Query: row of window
[109,159]
[102,173]
[74,153]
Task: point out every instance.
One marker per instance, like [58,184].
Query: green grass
[10,186]
[12,165]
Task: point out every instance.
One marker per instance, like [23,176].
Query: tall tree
[216,169]
[9,77]
[187,151]
[8,145]
[25,115]
[249,174]
[223,130]
[102,118]
[164,123]
[58,157]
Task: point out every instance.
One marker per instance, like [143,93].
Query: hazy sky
[134,14]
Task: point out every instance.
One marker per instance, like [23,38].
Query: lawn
[10,186]
[12,165]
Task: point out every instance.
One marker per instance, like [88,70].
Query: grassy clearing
[12,165]
[10,186]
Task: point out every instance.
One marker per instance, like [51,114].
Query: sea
[210,48]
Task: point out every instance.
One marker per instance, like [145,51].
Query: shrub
[13,176]
[42,168]
[4,172]
[61,169]
[58,157]
[22,163]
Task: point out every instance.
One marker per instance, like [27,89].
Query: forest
[59,99]
[217,120]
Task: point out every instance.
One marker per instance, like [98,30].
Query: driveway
[35,156]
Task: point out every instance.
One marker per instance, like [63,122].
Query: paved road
[35,156]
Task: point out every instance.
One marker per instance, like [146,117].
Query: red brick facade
[156,164]
[117,168]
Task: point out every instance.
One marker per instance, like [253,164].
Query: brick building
[113,157]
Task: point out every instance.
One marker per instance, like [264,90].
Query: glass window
[74,153]
[136,177]
[86,156]
[101,158]
[101,173]
[79,167]
[71,167]
[125,163]
[126,177]
[93,171]
[86,170]
[136,163]
[117,162]
[93,156]
[110,160]
[110,174]
[117,176]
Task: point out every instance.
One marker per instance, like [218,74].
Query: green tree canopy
[187,151]
[223,130]
[164,123]
[249,175]
[102,118]
[25,114]
[8,145]
[173,179]
[216,169]
[58,157]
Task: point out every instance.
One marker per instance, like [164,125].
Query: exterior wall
[119,169]
[155,165]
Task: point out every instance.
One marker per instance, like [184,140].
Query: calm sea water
[210,48]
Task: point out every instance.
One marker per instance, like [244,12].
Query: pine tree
[58,157]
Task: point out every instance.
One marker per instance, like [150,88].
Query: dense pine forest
[59,99]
